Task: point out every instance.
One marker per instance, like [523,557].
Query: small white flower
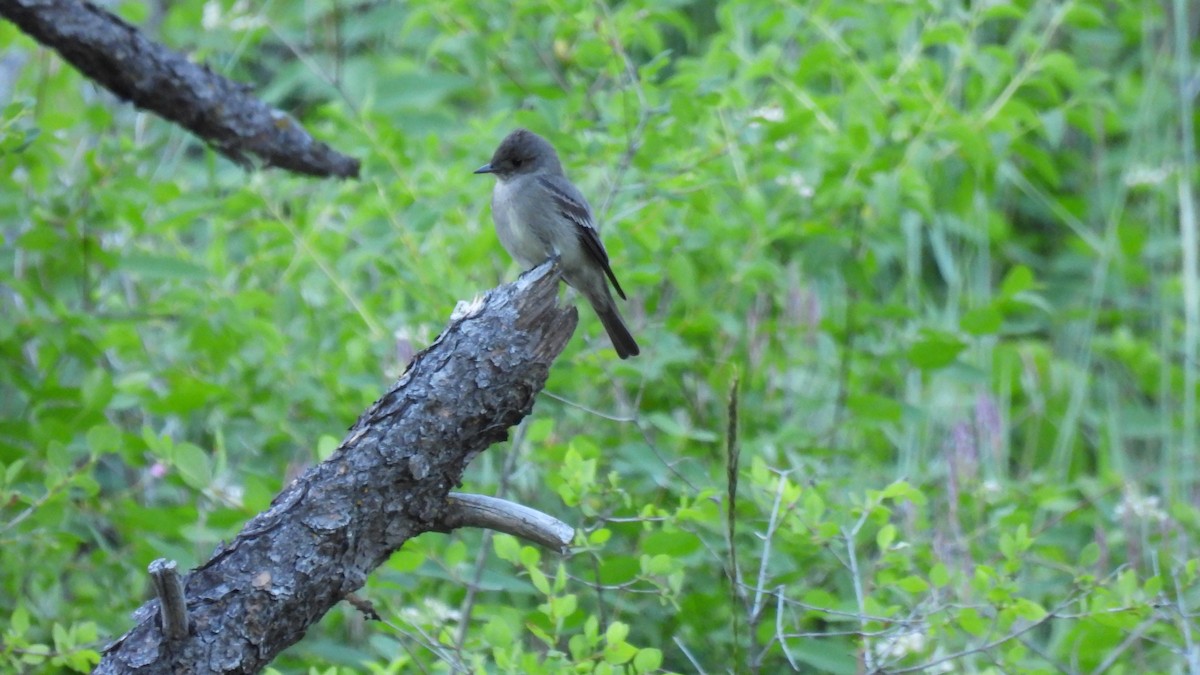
[797,182]
[1141,508]
[432,612]
[991,488]
[211,17]
[238,17]
[768,113]
[243,20]
[1146,175]
[902,644]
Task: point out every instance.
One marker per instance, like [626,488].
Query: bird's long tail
[622,340]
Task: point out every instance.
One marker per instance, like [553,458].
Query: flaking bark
[386,483]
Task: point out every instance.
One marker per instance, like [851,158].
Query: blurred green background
[945,253]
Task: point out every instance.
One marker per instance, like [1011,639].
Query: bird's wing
[575,209]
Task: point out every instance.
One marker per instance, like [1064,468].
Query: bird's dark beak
[486,168]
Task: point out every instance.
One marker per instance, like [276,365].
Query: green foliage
[942,248]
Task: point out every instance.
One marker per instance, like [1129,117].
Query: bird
[540,214]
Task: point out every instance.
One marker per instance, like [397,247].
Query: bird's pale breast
[530,229]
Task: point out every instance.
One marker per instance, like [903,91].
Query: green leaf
[326,445]
[1089,555]
[814,507]
[673,543]
[578,647]
[194,465]
[902,490]
[943,32]
[939,575]
[562,607]
[619,569]
[657,564]
[153,266]
[616,633]
[12,471]
[1084,15]
[530,557]
[539,581]
[935,349]
[560,578]
[970,621]
[103,438]
[982,321]
[885,537]
[407,560]
[672,427]
[835,657]
[1018,280]
[62,638]
[18,624]
[619,653]
[97,390]
[873,407]
[599,537]
[498,632]
[541,634]
[1054,126]
[913,584]
[1001,10]
[1029,610]
[647,660]
[1153,586]
[507,548]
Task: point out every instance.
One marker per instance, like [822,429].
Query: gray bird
[539,214]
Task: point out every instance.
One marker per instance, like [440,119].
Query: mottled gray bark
[386,483]
[137,69]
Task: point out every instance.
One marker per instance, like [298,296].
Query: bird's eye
[517,162]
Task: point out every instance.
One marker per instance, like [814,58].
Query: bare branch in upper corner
[137,69]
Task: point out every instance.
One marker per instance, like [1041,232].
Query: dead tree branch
[220,111]
[387,482]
